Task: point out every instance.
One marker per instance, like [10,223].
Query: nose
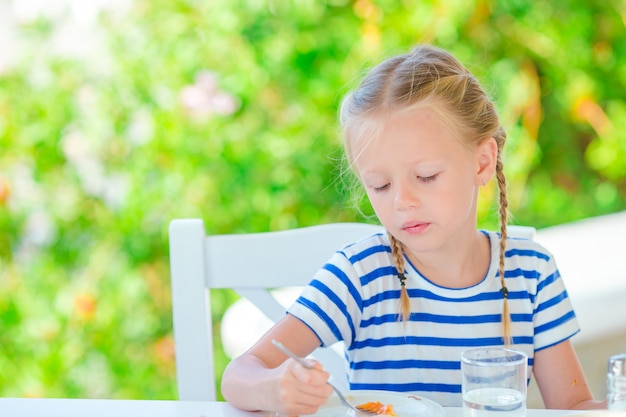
[406,197]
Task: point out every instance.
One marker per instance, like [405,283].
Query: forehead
[419,130]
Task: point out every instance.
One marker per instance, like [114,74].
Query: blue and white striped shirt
[355,298]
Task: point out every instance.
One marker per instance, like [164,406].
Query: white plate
[404,404]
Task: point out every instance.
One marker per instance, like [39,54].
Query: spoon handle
[291,354]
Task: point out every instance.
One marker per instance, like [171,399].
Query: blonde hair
[429,76]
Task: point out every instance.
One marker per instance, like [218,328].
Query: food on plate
[378,408]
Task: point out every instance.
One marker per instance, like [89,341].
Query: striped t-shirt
[355,298]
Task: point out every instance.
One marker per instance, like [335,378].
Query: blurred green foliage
[226,110]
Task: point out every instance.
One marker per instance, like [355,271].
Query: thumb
[314,364]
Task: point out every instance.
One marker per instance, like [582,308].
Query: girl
[422,137]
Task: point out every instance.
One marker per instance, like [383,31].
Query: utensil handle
[292,355]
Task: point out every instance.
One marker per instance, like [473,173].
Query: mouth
[414,228]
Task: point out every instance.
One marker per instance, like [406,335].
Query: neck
[460,265]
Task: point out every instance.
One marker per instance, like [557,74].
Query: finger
[305,403]
[313,364]
[307,381]
[300,398]
[315,376]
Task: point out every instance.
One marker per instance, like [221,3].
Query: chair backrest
[250,264]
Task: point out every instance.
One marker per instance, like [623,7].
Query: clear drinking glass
[616,383]
[494,382]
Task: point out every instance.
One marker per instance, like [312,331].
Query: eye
[428,179]
[380,189]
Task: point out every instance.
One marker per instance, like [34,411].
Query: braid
[398,257]
[506,316]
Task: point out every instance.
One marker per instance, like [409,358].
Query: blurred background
[119,116]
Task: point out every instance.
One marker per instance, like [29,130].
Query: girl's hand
[298,390]
[265,379]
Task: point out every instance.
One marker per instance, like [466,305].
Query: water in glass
[491,402]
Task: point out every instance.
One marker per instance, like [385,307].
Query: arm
[561,379]
[264,378]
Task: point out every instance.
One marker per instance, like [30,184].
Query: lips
[414,228]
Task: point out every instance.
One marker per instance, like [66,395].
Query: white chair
[250,264]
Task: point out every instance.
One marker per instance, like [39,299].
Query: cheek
[452,195]
[460,197]
[374,198]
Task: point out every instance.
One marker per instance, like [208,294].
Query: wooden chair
[251,265]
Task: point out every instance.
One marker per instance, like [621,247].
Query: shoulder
[521,247]
[368,246]
[524,255]
[362,256]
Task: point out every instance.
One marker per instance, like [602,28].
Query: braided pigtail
[506,315]
[398,257]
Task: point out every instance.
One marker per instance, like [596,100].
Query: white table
[47,407]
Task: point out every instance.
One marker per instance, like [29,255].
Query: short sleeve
[331,303]
[554,317]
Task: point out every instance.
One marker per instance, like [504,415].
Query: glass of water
[494,382]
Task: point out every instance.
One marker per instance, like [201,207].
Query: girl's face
[421,181]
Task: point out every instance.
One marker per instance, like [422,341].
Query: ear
[486,158]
